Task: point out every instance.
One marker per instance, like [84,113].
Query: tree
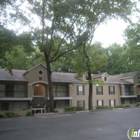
[68,24]
[20,58]
[8,41]
[90,59]
[117,59]
[132,36]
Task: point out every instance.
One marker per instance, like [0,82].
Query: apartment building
[25,90]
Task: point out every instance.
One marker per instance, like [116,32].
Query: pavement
[96,125]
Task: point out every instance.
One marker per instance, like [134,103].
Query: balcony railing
[60,94]
[15,94]
[129,93]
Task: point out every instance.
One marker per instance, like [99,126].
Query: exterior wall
[19,90]
[129,80]
[33,75]
[73,93]
[106,96]
[35,78]
[137,79]
[16,106]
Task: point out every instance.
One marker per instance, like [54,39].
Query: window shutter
[96,90]
[83,90]
[102,102]
[102,90]
[77,90]
[97,102]
[109,102]
[114,102]
[109,89]
[114,89]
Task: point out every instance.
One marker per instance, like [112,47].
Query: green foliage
[19,58]
[69,108]
[10,114]
[122,106]
[29,114]
[126,105]
[73,108]
[79,108]
[2,116]
[102,107]
[118,106]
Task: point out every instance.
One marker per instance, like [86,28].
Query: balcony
[13,94]
[61,95]
[129,95]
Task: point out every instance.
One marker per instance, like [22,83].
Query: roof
[65,77]
[117,79]
[18,75]
[38,101]
[99,75]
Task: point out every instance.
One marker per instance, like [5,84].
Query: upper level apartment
[126,87]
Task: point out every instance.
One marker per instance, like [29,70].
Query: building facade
[25,90]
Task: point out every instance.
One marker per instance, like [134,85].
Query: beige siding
[106,96]
[33,75]
[73,93]
[136,79]
[129,80]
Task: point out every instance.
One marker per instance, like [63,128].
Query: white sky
[111,32]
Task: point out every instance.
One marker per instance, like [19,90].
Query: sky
[110,32]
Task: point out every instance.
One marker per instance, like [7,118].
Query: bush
[102,107]
[10,114]
[119,106]
[79,108]
[126,106]
[3,116]
[122,106]
[69,108]
[29,114]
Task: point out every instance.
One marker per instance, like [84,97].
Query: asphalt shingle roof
[17,75]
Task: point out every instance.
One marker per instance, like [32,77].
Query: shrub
[102,107]
[69,108]
[29,114]
[126,106]
[79,108]
[3,116]
[10,114]
[119,106]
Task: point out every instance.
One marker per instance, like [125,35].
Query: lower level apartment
[27,90]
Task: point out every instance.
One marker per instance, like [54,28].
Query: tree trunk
[49,75]
[90,92]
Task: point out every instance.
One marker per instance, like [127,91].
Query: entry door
[112,103]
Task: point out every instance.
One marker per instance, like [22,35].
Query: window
[100,103]
[112,103]
[81,103]
[39,90]
[60,90]
[4,106]
[111,89]
[105,78]
[80,90]
[40,72]
[9,90]
[99,90]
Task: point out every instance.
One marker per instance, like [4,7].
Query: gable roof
[18,75]
[34,67]
[117,79]
[65,77]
